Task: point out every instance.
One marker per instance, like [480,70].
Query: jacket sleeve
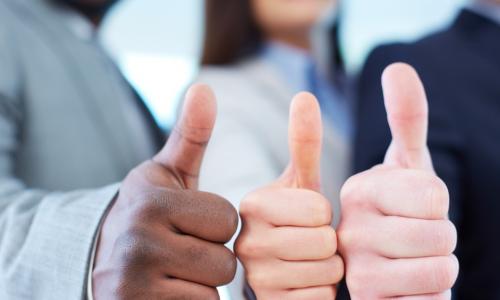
[45,236]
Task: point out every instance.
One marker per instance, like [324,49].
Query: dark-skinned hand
[163,239]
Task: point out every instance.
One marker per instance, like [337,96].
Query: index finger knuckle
[438,197]
[357,191]
[227,216]
[320,208]
[251,205]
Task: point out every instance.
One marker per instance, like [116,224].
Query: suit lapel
[108,116]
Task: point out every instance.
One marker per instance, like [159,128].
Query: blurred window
[367,23]
[157,43]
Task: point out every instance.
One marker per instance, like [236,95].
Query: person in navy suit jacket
[460,68]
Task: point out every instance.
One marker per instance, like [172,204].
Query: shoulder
[425,54]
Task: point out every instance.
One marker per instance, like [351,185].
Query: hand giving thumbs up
[287,245]
[162,239]
[394,236]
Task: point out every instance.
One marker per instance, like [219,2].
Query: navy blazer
[460,68]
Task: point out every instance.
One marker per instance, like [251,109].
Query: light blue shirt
[299,71]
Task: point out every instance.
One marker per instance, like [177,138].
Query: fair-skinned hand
[287,245]
[162,239]
[394,235]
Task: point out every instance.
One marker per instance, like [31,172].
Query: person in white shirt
[257,55]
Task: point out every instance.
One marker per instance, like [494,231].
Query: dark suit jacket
[460,68]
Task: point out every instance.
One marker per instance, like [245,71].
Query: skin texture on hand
[394,235]
[287,245]
[162,239]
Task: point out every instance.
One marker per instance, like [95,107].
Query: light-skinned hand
[287,245]
[394,234]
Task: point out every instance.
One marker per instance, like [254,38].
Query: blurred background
[157,43]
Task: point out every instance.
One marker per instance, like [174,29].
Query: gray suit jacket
[249,145]
[63,143]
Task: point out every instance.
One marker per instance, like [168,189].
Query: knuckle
[136,247]
[350,239]
[347,193]
[227,268]
[153,203]
[445,273]
[257,278]
[230,219]
[248,247]
[357,192]
[321,209]
[220,216]
[250,205]
[445,238]
[357,280]
[337,269]
[438,197]
[328,240]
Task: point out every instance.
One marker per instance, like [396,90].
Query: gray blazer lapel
[65,44]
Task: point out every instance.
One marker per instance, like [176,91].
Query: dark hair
[231,32]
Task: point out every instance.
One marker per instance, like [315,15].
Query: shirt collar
[292,63]
[488,10]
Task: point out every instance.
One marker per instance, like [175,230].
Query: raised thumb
[305,134]
[407,114]
[184,151]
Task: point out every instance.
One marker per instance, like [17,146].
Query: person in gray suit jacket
[71,129]
[257,55]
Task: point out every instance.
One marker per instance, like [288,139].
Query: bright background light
[157,42]
[157,45]
[367,23]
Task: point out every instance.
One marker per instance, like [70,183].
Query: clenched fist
[162,239]
[395,236]
[287,245]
